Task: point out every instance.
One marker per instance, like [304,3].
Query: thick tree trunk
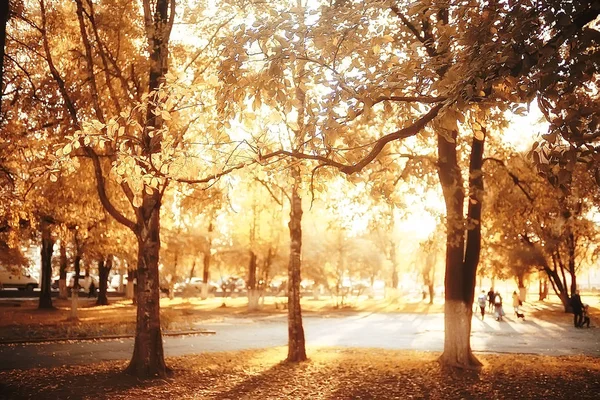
[148,356]
[62,275]
[461,258]
[104,268]
[296,342]
[46,273]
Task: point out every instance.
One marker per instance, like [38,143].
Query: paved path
[390,331]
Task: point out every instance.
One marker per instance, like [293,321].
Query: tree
[132,119]
[539,225]
[472,75]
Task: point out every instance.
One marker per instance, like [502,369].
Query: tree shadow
[429,381]
[272,380]
[104,383]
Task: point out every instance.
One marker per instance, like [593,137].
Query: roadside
[189,314]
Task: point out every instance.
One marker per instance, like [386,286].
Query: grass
[331,373]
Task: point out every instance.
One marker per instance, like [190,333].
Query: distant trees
[535,224]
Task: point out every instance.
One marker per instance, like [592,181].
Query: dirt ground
[27,322]
[330,373]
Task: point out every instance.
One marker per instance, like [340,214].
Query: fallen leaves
[331,373]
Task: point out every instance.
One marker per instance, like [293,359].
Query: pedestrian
[516,301]
[490,296]
[577,307]
[92,289]
[498,307]
[482,302]
[586,316]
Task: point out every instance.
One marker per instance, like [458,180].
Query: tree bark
[148,356]
[4,14]
[394,264]
[296,341]
[46,275]
[462,256]
[253,293]
[207,255]
[62,277]
[104,268]
[77,269]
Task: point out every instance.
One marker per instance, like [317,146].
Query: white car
[17,279]
[195,285]
[115,281]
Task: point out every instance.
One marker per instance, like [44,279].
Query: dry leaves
[332,373]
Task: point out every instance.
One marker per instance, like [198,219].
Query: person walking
[586,316]
[577,307]
[490,297]
[482,302]
[498,307]
[516,302]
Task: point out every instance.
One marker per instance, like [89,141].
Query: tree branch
[514,177]
[377,148]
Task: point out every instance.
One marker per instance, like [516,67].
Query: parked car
[17,279]
[194,285]
[84,282]
[232,285]
[115,281]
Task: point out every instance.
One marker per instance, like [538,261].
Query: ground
[359,352]
[331,373]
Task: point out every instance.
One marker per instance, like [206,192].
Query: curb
[105,337]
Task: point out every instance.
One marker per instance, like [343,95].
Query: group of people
[581,314]
[493,300]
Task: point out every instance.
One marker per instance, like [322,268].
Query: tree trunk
[148,356]
[74,303]
[431,292]
[543,291]
[77,268]
[4,13]
[460,275]
[207,255]
[394,264]
[104,268]
[296,342]
[253,292]
[62,277]
[46,273]
[130,289]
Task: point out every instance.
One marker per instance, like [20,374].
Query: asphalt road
[366,330]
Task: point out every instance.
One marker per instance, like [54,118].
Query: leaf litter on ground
[330,373]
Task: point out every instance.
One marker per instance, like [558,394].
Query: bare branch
[514,177]
[377,148]
[89,62]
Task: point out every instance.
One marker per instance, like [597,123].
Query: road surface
[366,330]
